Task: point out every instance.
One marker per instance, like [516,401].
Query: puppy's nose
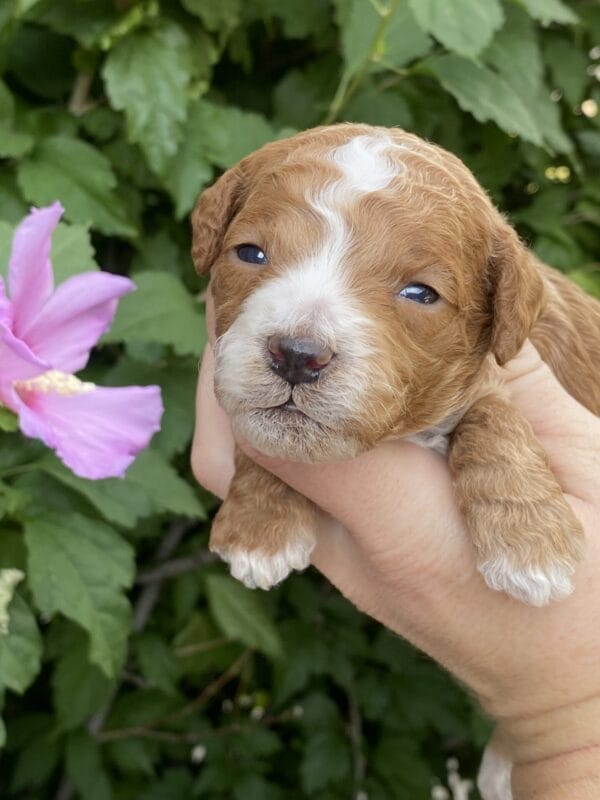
[298,360]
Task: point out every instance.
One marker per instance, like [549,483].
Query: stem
[349,83]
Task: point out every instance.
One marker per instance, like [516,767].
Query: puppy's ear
[517,294]
[214,211]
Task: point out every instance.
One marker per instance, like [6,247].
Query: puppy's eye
[420,293]
[251,254]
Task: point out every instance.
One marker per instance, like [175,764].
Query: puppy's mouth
[291,407]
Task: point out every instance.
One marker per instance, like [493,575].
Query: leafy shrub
[133,667]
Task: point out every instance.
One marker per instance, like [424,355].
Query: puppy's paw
[535,585]
[262,569]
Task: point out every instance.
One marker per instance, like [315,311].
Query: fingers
[569,432]
[213,445]
[368,493]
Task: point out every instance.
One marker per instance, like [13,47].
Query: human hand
[392,540]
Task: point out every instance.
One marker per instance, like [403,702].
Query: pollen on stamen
[56,381]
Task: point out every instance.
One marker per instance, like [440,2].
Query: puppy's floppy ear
[517,294]
[214,211]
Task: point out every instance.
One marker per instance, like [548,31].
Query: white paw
[495,776]
[258,569]
[534,585]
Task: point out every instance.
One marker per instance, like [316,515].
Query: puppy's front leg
[264,529]
[527,538]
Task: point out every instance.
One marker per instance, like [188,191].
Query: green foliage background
[133,667]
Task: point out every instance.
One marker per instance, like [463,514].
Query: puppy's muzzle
[298,360]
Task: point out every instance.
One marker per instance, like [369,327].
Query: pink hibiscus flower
[46,335]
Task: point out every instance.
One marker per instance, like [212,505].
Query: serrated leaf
[85,768]
[81,176]
[548,11]
[486,95]
[516,56]
[227,134]
[72,251]
[78,687]
[241,615]
[465,27]
[189,170]
[147,76]
[161,310]
[402,40]
[20,648]
[150,486]
[79,566]
[568,67]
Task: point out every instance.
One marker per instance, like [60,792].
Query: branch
[175,567]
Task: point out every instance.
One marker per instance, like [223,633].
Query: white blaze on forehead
[366,164]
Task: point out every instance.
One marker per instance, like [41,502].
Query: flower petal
[30,272]
[17,363]
[75,317]
[98,433]
[5,307]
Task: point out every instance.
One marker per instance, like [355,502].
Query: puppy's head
[361,277]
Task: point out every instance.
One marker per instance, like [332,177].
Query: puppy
[366,288]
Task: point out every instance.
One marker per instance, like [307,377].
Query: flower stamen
[55,381]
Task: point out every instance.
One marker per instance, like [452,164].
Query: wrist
[568,776]
[556,754]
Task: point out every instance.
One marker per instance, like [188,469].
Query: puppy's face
[357,278]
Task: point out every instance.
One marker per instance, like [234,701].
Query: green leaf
[147,76]
[9,421]
[215,16]
[548,11]
[85,768]
[486,95]
[78,566]
[78,174]
[78,687]
[14,144]
[72,251]
[86,22]
[400,38]
[227,134]
[326,761]
[404,39]
[150,486]
[20,648]
[568,67]
[176,782]
[241,615]
[189,170]
[161,310]
[157,661]
[515,54]
[463,26]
